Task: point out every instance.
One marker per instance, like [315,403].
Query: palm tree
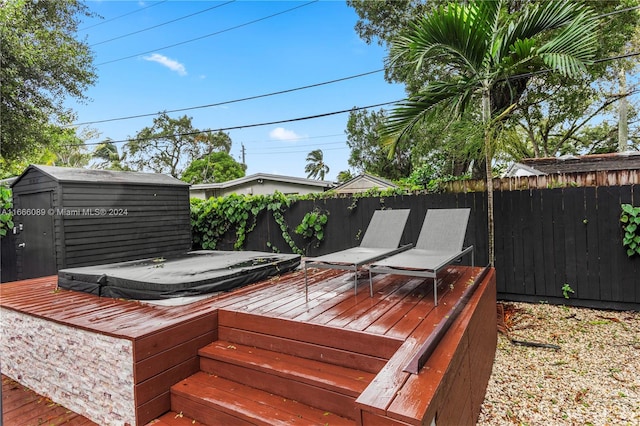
[316,168]
[106,153]
[491,55]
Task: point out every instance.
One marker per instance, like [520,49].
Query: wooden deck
[178,348]
[24,407]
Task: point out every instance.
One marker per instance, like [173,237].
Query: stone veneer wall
[88,373]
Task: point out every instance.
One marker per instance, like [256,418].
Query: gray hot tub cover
[191,274]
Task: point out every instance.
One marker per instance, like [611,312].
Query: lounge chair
[439,244]
[380,240]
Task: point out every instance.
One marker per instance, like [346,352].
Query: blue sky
[242,51]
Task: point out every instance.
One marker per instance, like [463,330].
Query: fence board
[504,241]
[536,243]
[608,229]
[591,290]
[570,215]
[580,238]
[520,204]
[547,242]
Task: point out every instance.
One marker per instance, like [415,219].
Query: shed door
[36,249]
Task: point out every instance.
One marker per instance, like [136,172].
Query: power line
[546,70]
[287,149]
[615,12]
[311,117]
[210,34]
[317,84]
[122,16]
[249,98]
[247,126]
[301,138]
[162,24]
[294,89]
[297,152]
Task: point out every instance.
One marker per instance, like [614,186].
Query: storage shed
[66,217]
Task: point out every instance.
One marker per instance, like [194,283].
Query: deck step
[213,400]
[328,376]
[319,384]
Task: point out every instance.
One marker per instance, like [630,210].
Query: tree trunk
[486,119]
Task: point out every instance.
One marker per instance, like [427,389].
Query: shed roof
[585,163]
[68,174]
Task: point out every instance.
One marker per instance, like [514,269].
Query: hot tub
[192,274]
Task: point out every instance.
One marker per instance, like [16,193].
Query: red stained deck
[376,335]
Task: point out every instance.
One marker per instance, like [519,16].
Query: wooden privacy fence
[549,238]
[545,239]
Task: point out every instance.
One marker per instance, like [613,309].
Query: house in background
[260,184]
[629,160]
[362,183]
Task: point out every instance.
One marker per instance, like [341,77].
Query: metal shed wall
[105,217]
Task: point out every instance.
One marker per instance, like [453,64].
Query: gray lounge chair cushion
[440,241]
[443,230]
[385,228]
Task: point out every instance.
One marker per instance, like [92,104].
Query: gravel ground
[593,378]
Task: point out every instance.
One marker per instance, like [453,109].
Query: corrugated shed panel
[104,216]
[124,222]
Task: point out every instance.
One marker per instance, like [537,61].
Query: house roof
[584,163]
[68,174]
[364,181]
[264,177]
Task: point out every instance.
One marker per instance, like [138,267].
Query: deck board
[22,406]
[401,308]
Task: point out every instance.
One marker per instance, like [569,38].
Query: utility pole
[623,126]
[243,153]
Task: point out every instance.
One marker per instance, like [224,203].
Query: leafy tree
[106,156]
[344,176]
[67,149]
[491,55]
[367,151]
[170,143]
[214,167]
[41,64]
[554,121]
[558,107]
[316,168]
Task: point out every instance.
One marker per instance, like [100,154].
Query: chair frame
[355,266]
[424,273]
[424,240]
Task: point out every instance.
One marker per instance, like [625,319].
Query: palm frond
[459,32]
[578,39]
[566,65]
[456,95]
[541,18]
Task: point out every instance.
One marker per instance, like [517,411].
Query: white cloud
[282,134]
[167,62]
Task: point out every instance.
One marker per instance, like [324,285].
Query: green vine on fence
[211,219]
[6,216]
[215,217]
[312,226]
[630,218]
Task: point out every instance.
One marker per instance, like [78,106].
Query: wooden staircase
[270,371]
